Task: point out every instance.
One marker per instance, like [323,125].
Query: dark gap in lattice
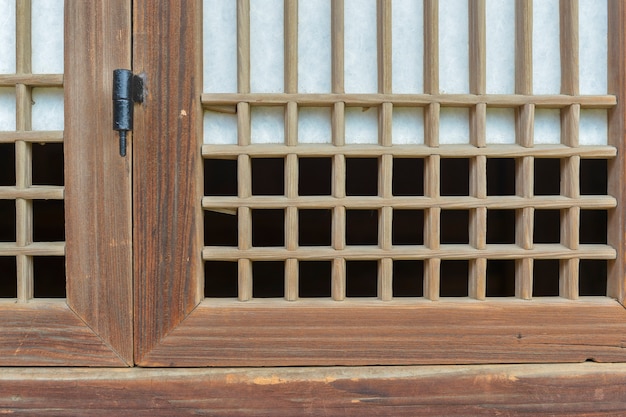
[500,278]
[547,176]
[220,279]
[314,278]
[49,273]
[268,176]
[362,176]
[314,227]
[408,176]
[48,221]
[268,279]
[361,227]
[546,278]
[220,177]
[7,164]
[593,176]
[268,227]
[315,176]
[408,227]
[454,177]
[408,278]
[454,278]
[593,225]
[547,226]
[592,277]
[48,164]
[500,226]
[7,221]
[454,226]
[220,229]
[500,176]
[8,277]
[361,278]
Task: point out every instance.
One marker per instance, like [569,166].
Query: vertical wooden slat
[98,205]
[385,285]
[524,226]
[431,46]
[432,218]
[523,46]
[244,217]
[568,12]
[291,279]
[385,126]
[291,46]
[478,227]
[168,135]
[291,227]
[337,42]
[477,46]
[243,46]
[384,46]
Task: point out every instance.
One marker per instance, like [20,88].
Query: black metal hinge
[127,90]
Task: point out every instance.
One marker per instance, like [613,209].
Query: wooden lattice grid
[524,251]
[25,249]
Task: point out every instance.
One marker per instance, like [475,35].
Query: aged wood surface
[585,389]
[167,167]
[97,180]
[360,332]
[48,333]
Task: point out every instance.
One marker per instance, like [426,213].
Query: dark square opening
[408,278]
[500,176]
[220,279]
[268,228]
[48,163]
[408,176]
[268,279]
[454,278]
[547,176]
[361,176]
[593,176]
[48,221]
[8,277]
[362,227]
[7,164]
[501,226]
[49,273]
[315,176]
[500,278]
[220,177]
[361,278]
[314,227]
[592,277]
[546,278]
[408,227]
[220,229]
[268,176]
[547,226]
[454,176]
[593,226]
[7,221]
[454,226]
[314,279]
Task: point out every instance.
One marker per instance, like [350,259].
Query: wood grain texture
[361,332]
[167,167]
[97,180]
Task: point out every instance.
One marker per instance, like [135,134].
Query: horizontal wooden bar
[478,390]
[33,249]
[39,136]
[406,151]
[32,80]
[411,252]
[228,204]
[35,192]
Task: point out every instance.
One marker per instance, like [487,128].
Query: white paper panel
[7,37]
[453,125]
[314,125]
[47,36]
[360,52]
[408,125]
[500,126]
[7,109]
[407,46]
[593,127]
[500,39]
[220,128]
[47,109]
[453,47]
[361,125]
[547,126]
[546,52]
[267,124]
[219,46]
[593,46]
[267,46]
[314,46]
